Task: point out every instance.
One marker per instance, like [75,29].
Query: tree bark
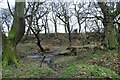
[69,34]
[79,26]
[110,39]
[26,35]
[14,36]
[0,41]
[55,25]
[9,52]
[118,38]
[65,28]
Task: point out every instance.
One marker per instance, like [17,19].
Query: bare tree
[79,13]
[35,12]
[64,15]
[54,17]
[45,24]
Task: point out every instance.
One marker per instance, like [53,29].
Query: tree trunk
[9,52]
[55,25]
[26,35]
[36,35]
[65,28]
[48,32]
[79,26]
[0,41]
[110,35]
[48,35]
[118,38]
[110,39]
[69,33]
[14,36]
[45,30]
[78,20]
[55,29]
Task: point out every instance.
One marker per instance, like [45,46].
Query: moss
[9,52]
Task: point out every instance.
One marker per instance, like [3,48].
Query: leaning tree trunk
[14,36]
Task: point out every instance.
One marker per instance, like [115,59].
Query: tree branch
[10,9]
[58,15]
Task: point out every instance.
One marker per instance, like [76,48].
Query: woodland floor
[31,68]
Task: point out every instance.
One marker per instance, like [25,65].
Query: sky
[3,4]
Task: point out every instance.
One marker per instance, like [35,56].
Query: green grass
[87,71]
[24,71]
[106,59]
[81,66]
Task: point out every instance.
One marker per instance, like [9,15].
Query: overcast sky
[3,4]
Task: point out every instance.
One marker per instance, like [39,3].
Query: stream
[48,57]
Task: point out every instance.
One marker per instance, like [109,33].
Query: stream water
[47,57]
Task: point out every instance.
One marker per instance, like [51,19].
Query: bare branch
[9,8]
